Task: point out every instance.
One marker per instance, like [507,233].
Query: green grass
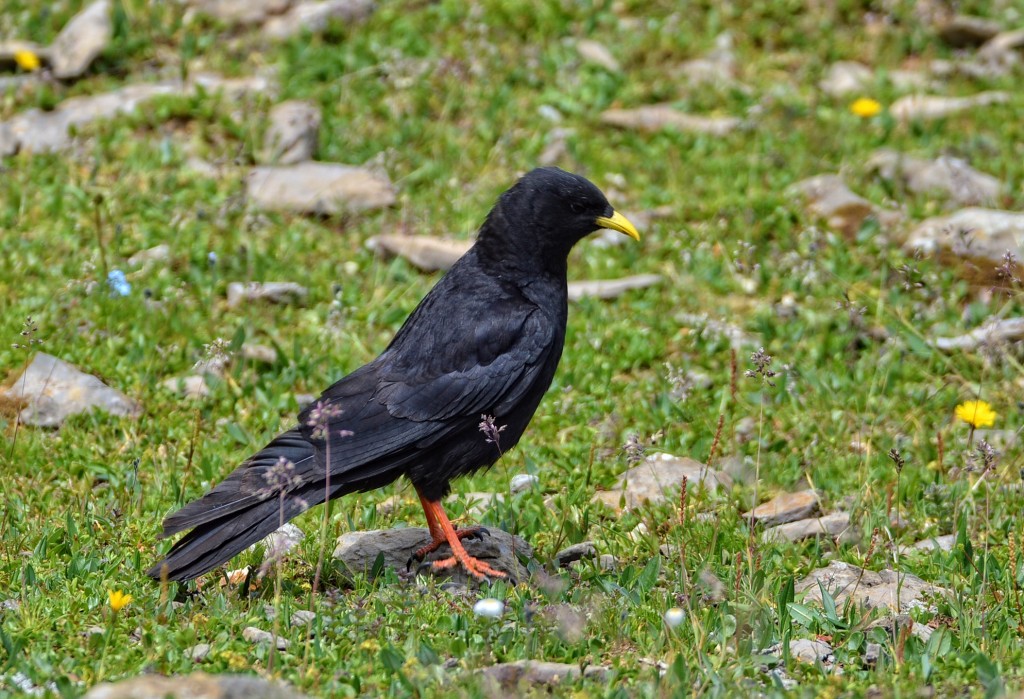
[450,97]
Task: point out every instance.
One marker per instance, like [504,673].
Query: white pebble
[489,607]
[522,482]
[674,617]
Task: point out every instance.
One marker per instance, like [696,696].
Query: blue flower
[118,283]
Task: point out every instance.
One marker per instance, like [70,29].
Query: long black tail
[243,509]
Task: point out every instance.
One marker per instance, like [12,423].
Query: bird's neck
[502,248]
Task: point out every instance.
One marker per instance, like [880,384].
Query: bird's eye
[577,207]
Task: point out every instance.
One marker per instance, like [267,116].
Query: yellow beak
[620,223]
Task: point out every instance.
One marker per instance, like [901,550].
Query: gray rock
[576,552]
[598,54]
[830,526]
[314,16]
[234,89]
[994,331]
[828,197]
[477,504]
[787,507]
[259,636]
[241,11]
[198,685]
[319,188]
[158,253]
[926,107]
[273,292]
[949,176]
[424,252]
[962,31]
[610,288]
[894,624]
[522,482]
[262,354]
[659,478]
[193,386]
[81,41]
[946,542]
[608,562]
[303,617]
[717,67]
[805,650]
[55,390]
[293,134]
[972,234]
[198,653]
[526,673]
[872,654]
[664,116]
[846,78]
[874,590]
[358,551]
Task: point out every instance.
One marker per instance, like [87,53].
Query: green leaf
[803,615]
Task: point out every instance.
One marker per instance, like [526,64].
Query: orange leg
[442,531]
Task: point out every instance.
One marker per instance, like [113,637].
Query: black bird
[485,341]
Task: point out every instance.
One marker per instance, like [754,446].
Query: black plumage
[484,341]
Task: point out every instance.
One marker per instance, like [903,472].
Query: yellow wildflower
[370,645]
[26,60]
[118,600]
[976,413]
[866,107]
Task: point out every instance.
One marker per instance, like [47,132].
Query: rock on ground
[198,685]
[423,252]
[949,176]
[314,16]
[576,552]
[610,288]
[273,292]
[994,331]
[56,390]
[787,507]
[319,188]
[833,525]
[962,31]
[828,197]
[258,636]
[81,41]
[597,53]
[844,581]
[656,117]
[659,477]
[293,134]
[526,673]
[925,107]
[972,234]
[357,552]
[241,11]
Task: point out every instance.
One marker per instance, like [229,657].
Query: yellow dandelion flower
[26,60]
[118,600]
[866,107]
[370,645]
[976,413]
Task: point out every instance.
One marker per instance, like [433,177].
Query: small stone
[55,390]
[805,650]
[424,252]
[262,354]
[596,53]
[158,253]
[946,542]
[357,552]
[872,654]
[608,562]
[873,590]
[241,11]
[490,608]
[81,40]
[259,637]
[314,17]
[233,88]
[659,478]
[280,542]
[293,134]
[610,288]
[576,552]
[674,617]
[389,505]
[830,526]
[273,292]
[477,504]
[663,116]
[787,507]
[192,386]
[521,482]
[828,197]
[992,332]
[527,673]
[962,31]
[846,78]
[716,68]
[894,624]
[195,686]
[972,234]
[303,617]
[949,176]
[323,189]
[925,107]
[198,653]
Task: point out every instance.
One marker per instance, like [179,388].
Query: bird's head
[548,211]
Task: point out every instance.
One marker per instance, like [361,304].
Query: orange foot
[442,531]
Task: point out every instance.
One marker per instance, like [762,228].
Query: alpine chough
[485,341]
